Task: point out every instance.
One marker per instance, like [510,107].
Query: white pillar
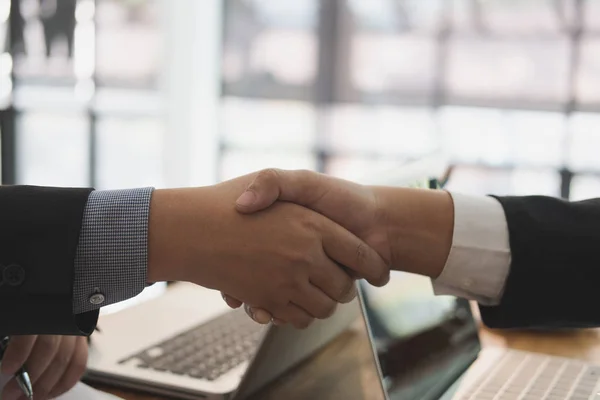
[192,90]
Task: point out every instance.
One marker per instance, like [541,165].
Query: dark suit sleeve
[554,279]
[38,240]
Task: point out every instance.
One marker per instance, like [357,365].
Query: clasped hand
[354,207]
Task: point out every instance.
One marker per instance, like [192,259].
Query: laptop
[188,344]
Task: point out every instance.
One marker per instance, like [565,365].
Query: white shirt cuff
[479,260]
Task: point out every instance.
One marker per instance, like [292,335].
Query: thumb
[262,192]
[299,187]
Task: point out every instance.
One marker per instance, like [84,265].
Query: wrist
[169,249]
[419,225]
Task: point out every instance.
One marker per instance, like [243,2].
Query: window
[85,94]
[498,84]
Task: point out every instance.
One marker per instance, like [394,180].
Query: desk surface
[345,370]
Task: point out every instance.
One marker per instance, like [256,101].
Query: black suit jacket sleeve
[554,279]
[39,234]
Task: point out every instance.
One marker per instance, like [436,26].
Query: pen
[21,376]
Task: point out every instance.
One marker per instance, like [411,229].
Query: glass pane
[514,16]
[393,63]
[4,15]
[588,79]
[381,130]
[585,142]
[5,79]
[239,162]
[535,182]
[52,149]
[585,187]
[129,40]
[482,181]
[399,16]
[268,124]
[361,169]
[537,138]
[129,152]
[475,135]
[508,70]
[54,38]
[270,48]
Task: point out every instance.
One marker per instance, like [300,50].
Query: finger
[316,303]
[74,371]
[300,187]
[348,250]
[17,353]
[259,315]
[56,370]
[231,301]
[43,352]
[333,280]
[295,315]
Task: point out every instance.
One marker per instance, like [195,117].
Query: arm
[38,244]
[555,264]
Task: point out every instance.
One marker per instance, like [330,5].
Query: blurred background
[128,93]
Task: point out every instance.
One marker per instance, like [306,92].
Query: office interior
[169,93]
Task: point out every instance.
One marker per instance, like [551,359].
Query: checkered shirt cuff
[112,254]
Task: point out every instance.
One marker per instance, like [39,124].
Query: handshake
[290,244]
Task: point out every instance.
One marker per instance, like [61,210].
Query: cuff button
[14,275]
[97,299]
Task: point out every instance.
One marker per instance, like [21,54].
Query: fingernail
[260,316]
[246,199]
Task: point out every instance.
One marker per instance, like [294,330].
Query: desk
[344,370]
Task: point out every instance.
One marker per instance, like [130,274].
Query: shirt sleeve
[479,260]
[112,255]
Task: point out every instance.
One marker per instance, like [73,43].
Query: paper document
[79,392]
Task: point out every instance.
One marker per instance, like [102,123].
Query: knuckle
[61,361]
[269,175]
[362,254]
[47,344]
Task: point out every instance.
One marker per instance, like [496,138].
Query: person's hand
[410,228]
[287,260]
[54,363]
[355,207]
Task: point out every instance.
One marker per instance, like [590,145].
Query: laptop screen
[423,342]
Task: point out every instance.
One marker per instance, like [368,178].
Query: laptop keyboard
[524,376]
[206,351]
